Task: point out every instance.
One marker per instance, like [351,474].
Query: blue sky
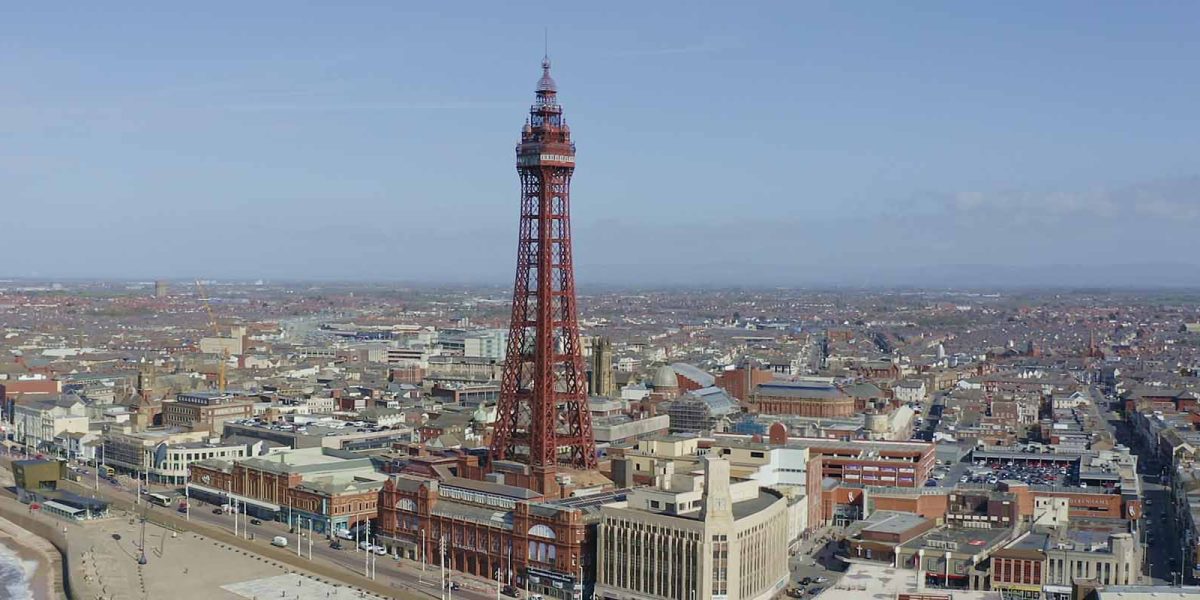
[778,143]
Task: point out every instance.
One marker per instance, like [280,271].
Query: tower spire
[543,392]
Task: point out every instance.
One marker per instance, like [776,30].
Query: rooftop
[886,521]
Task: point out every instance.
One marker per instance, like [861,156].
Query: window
[542,531]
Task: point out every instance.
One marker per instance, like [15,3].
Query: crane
[212,321]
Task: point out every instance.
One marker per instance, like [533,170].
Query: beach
[24,565]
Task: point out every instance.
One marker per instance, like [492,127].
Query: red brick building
[297,487]
[872,463]
[1018,571]
[802,398]
[488,528]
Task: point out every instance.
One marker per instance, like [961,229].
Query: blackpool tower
[543,416]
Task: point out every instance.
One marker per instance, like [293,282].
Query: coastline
[31,550]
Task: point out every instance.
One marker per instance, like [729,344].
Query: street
[817,557]
[403,574]
[1157,525]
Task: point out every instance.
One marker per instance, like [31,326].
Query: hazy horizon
[1017,145]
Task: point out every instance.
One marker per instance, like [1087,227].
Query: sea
[15,574]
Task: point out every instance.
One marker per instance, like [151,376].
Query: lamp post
[187,494]
[142,547]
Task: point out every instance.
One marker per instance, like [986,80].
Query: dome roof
[665,377]
[546,83]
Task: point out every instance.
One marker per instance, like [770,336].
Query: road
[1157,526]
[817,557]
[354,560]
[389,571]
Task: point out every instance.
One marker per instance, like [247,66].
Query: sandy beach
[32,551]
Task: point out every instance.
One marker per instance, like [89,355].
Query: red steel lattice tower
[543,396]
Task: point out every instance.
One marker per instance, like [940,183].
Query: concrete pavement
[395,578]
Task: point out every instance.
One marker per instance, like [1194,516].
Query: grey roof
[718,400]
[52,402]
[700,376]
[799,389]
[863,390]
[477,514]
[488,487]
[741,510]
[893,522]
[665,377]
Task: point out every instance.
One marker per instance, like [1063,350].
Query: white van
[280,541]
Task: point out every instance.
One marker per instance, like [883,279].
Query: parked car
[821,580]
[510,591]
[255,522]
[806,581]
[364,545]
[217,511]
[336,545]
[380,550]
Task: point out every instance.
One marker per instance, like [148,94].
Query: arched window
[542,531]
[406,504]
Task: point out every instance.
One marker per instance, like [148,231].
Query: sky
[719,143]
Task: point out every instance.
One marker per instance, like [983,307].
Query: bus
[159,499]
[107,470]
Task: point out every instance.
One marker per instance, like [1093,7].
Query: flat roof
[1040,456]
[894,522]
[966,540]
[745,508]
[1148,592]
[873,580]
